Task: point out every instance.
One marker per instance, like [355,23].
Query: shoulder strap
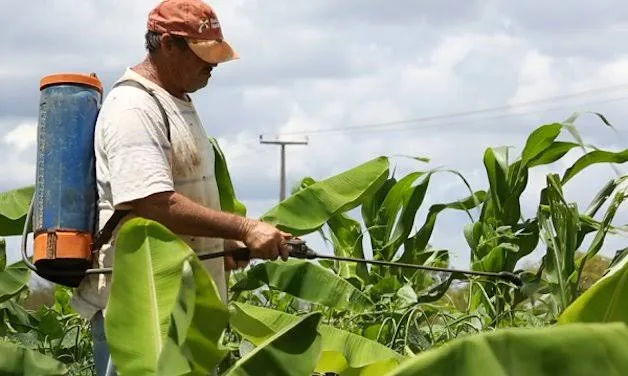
[152,94]
[105,233]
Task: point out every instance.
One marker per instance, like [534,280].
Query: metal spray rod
[302,251]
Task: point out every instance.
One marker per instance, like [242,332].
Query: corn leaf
[371,208]
[596,156]
[538,141]
[346,235]
[560,226]
[418,242]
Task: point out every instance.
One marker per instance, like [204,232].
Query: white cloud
[329,64]
[22,136]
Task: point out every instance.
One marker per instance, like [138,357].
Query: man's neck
[149,69]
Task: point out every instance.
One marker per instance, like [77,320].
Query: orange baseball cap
[197,22]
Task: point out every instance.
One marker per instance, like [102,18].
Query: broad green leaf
[13,207]
[605,301]
[309,209]
[228,200]
[157,274]
[17,317]
[538,141]
[294,351]
[342,352]
[13,279]
[596,156]
[49,326]
[569,350]
[16,360]
[346,234]
[307,281]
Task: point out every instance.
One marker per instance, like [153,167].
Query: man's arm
[184,216]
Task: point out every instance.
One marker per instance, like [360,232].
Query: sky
[442,79]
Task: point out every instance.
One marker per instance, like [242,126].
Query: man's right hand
[265,241]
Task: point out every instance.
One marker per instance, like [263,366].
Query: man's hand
[230,263]
[266,241]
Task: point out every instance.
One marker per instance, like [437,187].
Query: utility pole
[282,176]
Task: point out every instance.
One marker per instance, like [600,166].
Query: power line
[402,127]
[457,114]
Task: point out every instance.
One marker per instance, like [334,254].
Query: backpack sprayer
[63,212]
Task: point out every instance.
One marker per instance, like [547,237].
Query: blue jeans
[102,358]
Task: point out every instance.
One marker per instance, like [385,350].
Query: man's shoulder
[128,99]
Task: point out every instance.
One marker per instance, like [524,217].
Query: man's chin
[198,87]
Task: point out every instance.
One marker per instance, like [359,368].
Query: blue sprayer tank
[65,197]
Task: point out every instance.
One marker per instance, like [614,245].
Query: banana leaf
[569,350]
[307,281]
[310,208]
[159,279]
[228,200]
[342,352]
[605,301]
[13,280]
[293,351]
[16,360]
[13,207]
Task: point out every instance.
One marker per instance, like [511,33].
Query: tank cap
[71,78]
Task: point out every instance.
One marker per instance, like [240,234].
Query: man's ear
[166,43]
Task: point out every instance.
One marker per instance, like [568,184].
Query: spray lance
[299,249]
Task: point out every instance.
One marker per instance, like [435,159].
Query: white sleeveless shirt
[134,160]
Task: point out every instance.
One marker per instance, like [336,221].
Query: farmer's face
[188,71]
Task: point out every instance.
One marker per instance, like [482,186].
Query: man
[162,174]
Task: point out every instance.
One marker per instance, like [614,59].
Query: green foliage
[302,317]
[577,349]
[322,200]
[17,360]
[158,275]
[292,351]
[307,281]
[13,207]
[606,300]
[228,199]
[342,351]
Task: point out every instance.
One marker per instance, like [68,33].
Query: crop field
[309,317]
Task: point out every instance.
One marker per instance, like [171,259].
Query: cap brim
[213,51]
